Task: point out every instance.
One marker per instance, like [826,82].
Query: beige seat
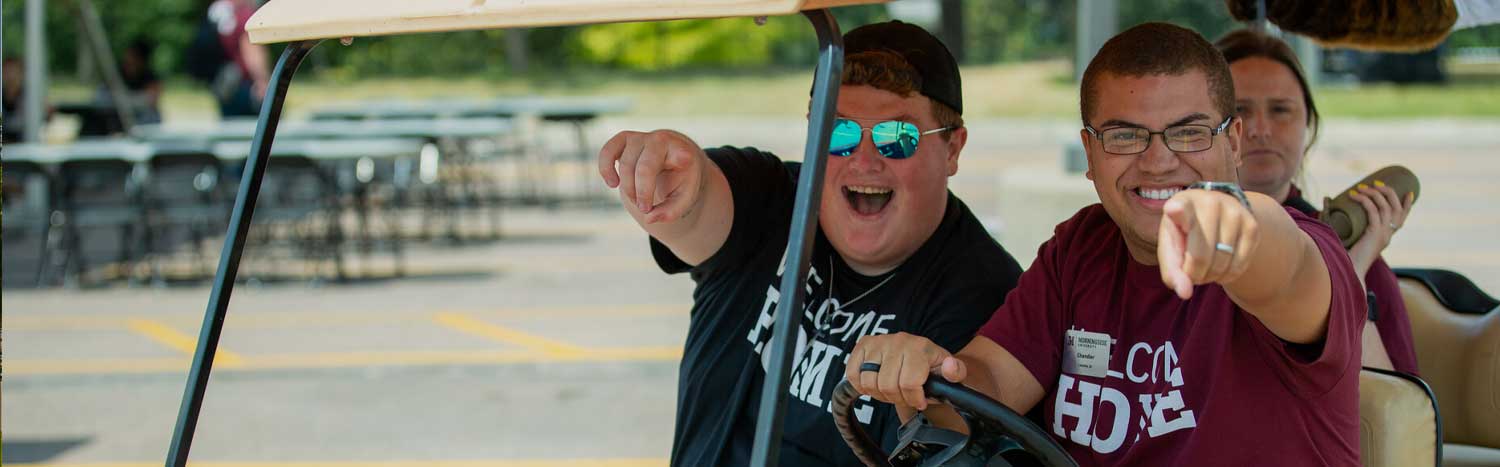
[1398,420]
[1457,337]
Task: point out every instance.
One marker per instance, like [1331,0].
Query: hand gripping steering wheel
[998,436]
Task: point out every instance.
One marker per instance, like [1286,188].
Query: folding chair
[299,215]
[27,221]
[185,201]
[101,214]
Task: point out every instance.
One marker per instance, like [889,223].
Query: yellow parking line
[26,367]
[636,353]
[373,359]
[169,337]
[509,336]
[414,463]
[535,350]
[30,367]
[89,321]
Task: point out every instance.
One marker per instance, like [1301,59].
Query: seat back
[1399,423]
[1458,351]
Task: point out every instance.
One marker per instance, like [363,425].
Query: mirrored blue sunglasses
[893,139]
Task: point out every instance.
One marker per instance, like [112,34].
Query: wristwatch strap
[1230,189]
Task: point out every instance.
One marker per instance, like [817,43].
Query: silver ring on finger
[1392,225]
[1224,247]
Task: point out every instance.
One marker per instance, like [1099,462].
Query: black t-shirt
[945,291]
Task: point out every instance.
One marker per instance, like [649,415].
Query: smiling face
[1269,99]
[1133,188]
[878,211]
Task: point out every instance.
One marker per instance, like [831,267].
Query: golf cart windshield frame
[281,21]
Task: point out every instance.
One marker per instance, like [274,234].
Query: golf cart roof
[291,20]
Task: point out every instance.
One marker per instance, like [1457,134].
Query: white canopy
[290,20]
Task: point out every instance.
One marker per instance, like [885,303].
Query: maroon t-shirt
[1391,320]
[1136,376]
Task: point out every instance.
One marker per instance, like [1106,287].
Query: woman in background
[1281,123]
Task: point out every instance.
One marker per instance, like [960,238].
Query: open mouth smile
[868,200]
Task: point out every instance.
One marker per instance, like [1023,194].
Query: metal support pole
[2,71]
[93,32]
[234,244]
[36,72]
[773,394]
[1097,21]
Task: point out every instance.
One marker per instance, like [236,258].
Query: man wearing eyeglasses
[894,252]
[1180,321]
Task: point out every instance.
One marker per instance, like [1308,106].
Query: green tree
[1208,17]
[167,24]
[1010,30]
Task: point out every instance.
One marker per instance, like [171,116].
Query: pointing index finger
[608,154]
[1170,256]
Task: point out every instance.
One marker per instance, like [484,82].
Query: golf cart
[1402,424]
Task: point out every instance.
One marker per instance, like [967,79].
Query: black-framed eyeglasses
[1127,140]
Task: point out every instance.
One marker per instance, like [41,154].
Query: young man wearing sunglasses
[895,251]
[1178,322]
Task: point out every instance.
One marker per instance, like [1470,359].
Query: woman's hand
[1386,213]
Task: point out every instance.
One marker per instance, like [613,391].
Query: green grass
[1389,101]
[1025,90]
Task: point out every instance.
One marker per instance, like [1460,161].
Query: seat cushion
[1460,359]
[1398,420]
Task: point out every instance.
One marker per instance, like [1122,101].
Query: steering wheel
[998,435]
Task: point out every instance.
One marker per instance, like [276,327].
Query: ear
[1236,131]
[1088,153]
[957,138]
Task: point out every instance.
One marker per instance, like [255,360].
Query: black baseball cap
[935,65]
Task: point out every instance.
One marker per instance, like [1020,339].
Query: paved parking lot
[544,346]
[556,345]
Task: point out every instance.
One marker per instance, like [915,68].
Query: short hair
[1158,49]
[1245,43]
[887,71]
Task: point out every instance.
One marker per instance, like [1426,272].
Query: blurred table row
[386,171]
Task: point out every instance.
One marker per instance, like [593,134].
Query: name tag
[1086,353]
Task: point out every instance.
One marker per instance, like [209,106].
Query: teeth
[869,190]
[1158,194]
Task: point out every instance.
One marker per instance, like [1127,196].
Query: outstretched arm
[1272,269]
[672,189]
